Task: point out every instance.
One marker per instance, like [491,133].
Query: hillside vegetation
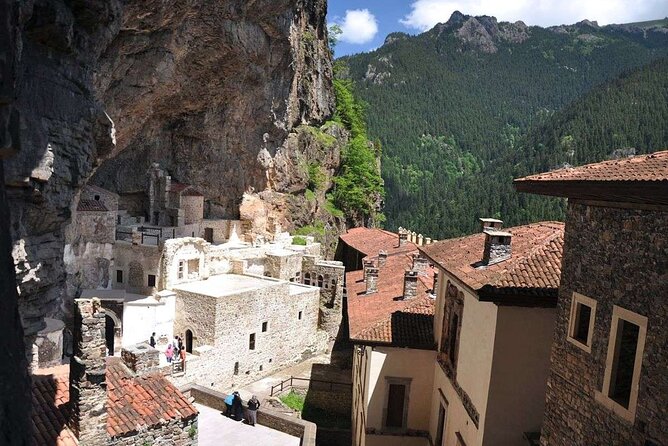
[463,108]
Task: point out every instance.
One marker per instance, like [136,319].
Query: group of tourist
[175,352]
[235,409]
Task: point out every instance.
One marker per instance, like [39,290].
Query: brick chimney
[382,258]
[420,264]
[497,246]
[410,284]
[403,237]
[88,389]
[371,280]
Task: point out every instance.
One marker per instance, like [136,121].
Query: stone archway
[189,341]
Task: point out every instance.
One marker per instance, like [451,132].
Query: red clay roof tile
[91,205]
[535,263]
[652,167]
[384,317]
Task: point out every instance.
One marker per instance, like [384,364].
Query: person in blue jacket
[229,399]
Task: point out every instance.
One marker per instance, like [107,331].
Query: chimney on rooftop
[367,264]
[497,246]
[141,358]
[410,284]
[88,389]
[491,223]
[403,237]
[371,280]
[382,258]
[420,263]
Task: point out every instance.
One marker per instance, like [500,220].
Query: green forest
[457,124]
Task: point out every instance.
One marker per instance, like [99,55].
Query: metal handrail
[283,384]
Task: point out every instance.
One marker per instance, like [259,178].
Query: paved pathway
[215,429]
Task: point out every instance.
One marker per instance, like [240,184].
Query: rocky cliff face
[200,87]
[483,33]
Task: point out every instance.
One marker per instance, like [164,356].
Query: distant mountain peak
[482,33]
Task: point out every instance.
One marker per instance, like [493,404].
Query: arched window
[307,278]
[320,280]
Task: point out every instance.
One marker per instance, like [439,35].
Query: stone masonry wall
[88,390]
[616,257]
[331,293]
[287,340]
[174,433]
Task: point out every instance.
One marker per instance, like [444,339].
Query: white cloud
[427,13]
[358,26]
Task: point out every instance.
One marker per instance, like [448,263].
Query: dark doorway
[441,426]
[109,332]
[395,406]
[189,341]
[208,234]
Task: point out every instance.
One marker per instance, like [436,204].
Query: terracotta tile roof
[100,189]
[91,205]
[383,316]
[135,402]
[371,240]
[50,398]
[535,264]
[412,326]
[652,167]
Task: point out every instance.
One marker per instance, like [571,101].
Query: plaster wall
[143,317]
[457,418]
[519,374]
[360,390]
[413,364]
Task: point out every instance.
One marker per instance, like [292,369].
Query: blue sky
[366,22]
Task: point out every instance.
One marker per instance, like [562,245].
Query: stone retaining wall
[266,417]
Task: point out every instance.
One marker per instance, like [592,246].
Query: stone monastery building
[244,304]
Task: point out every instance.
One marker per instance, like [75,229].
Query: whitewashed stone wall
[288,338]
[128,258]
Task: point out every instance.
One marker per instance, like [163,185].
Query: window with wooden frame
[623,363]
[581,322]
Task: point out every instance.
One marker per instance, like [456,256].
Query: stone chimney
[410,284]
[382,258]
[88,389]
[491,223]
[420,264]
[497,246]
[403,237]
[371,280]
[367,264]
[141,358]
[420,240]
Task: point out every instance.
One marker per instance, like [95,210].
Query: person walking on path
[237,407]
[169,353]
[183,359]
[253,406]
[151,341]
[229,399]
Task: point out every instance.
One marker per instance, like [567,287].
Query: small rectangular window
[264,327]
[236,368]
[581,324]
[151,280]
[300,315]
[251,342]
[181,268]
[119,275]
[623,364]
